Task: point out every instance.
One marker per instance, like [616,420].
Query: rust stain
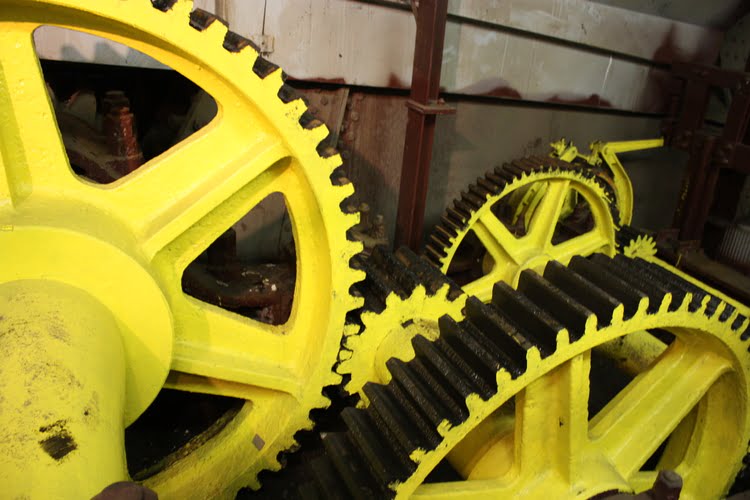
[58,441]
[504,91]
[395,82]
[592,100]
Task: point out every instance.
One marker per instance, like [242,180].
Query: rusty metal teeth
[573,315]
[163,5]
[234,42]
[263,67]
[613,285]
[201,19]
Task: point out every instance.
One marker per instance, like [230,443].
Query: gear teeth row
[383,442]
[457,218]
[398,274]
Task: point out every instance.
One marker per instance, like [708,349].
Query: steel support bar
[62,381]
[420,126]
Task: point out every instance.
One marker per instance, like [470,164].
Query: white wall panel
[589,53]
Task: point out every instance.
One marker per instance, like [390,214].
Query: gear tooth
[417,391]
[387,463]
[442,365]
[563,308]
[629,295]
[179,8]
[510,345]
[436,255]
[407,427]
[210,25]
[332,160]
[438,240]
[746,334]
[351,467]
[234,42]
[445,233]
[658,295]
[165,5]
[266,69]
[351,329]
[475,349]
[739,321]
[452,406]
[532,321]
[316,130]
[585,292]
[487,183]
[345,191]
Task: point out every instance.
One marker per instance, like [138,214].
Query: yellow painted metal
[693,397]
[62,381]
[642,246]
[607,152]
[127,243]
[510,254]
[388,334]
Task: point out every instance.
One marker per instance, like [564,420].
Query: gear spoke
[31,149]
[585,244]
[547,213]
[173,192]
[552,415]
[501,244]
[225,346]
[666,393]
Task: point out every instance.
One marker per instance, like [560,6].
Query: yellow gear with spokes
[120,250]
[505,254]
[504,394]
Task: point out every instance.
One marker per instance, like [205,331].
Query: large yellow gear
[504,395]
[82,258]
[477,222]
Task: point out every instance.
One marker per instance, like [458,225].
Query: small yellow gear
[404,297]
[642,246]
[506,395]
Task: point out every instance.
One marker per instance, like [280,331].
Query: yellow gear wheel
[110,258]
[495,231]
[404,297]
[507,395]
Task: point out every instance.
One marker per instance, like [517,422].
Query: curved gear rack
[121,249]
[687,411]
[502,253]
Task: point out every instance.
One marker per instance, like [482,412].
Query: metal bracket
[432,108]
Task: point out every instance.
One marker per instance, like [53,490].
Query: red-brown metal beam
[420,126]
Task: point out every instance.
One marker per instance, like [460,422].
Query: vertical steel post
[420,127]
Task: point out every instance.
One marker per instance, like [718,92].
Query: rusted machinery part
[124,246]
[106,154]
[451,400]
[486,212]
